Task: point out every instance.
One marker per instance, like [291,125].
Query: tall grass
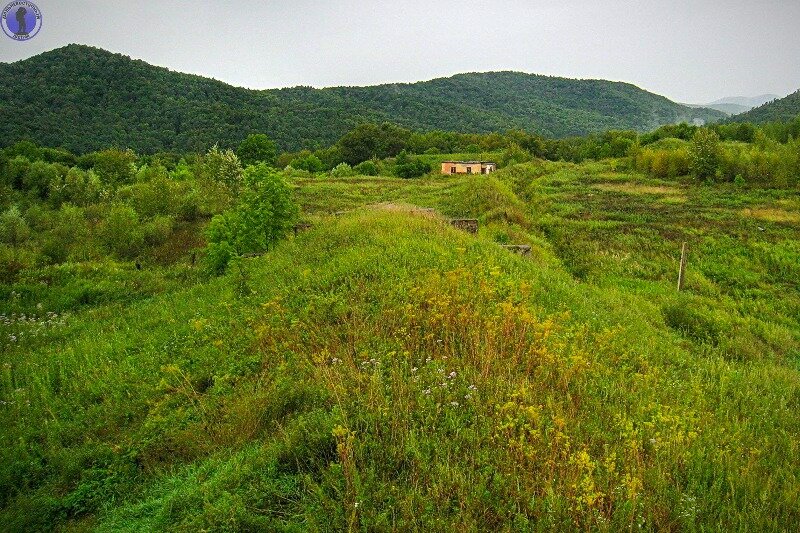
[385,371]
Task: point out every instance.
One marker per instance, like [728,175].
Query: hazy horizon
[689,52]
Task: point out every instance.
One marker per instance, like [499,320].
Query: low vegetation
[175,357]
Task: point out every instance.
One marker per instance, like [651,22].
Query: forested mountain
[783,110]
[85,98]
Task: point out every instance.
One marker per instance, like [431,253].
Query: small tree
[264,214]
[410,167]
[39,177]
[308,162]
[223,166]
[704,154]
[513,155]
[114,167]
[122,233]
[366,168]
[342,170]
[14,229]
[257,148]
[15,171]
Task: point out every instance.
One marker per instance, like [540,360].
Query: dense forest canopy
[86,99]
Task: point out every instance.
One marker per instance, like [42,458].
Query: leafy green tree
[182,171]
[26,149]
[39,178]
[223,166]
[264,214]
[113,166]
[80,187]
[410,167]
[157,197]
[514,155]
[15,171]
[342,170]
[308,162]
[330,157]
[366,168]
[704,154]
[369,141]
[151,172]
[257,148]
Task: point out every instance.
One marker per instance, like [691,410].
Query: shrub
[69,231]
[366,168]
[158,230]
[308,162]
[81,187]
[157,197]
[39,177]
[15,170]
[704,154]
[514,155]
[13,261]
[121,233]
[410,167]
[662,163]
[14,229]
[342,170]
[148,173]
[189,206]
[263,215]
[114,167]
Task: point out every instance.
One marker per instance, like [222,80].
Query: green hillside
[782,110]
[84,98]
[385,371]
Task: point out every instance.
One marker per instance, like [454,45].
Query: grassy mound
[384,371]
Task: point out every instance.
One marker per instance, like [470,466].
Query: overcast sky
[688,50]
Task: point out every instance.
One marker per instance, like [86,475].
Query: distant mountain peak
[782,109]
[751,101]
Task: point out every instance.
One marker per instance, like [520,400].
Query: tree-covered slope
[85,98]
[783,110]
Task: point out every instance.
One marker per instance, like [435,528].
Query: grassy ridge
[383,370]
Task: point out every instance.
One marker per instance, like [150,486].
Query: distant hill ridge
[746,101]
[783,110]
[85,98]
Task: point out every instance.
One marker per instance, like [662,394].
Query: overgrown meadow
[385,371]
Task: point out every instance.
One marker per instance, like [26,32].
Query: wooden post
[682,269]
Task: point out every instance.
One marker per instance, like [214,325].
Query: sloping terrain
[386,371]
[84,98]
[781,110]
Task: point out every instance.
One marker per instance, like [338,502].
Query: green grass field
[384,371]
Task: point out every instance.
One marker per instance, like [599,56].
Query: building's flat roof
[471,162]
